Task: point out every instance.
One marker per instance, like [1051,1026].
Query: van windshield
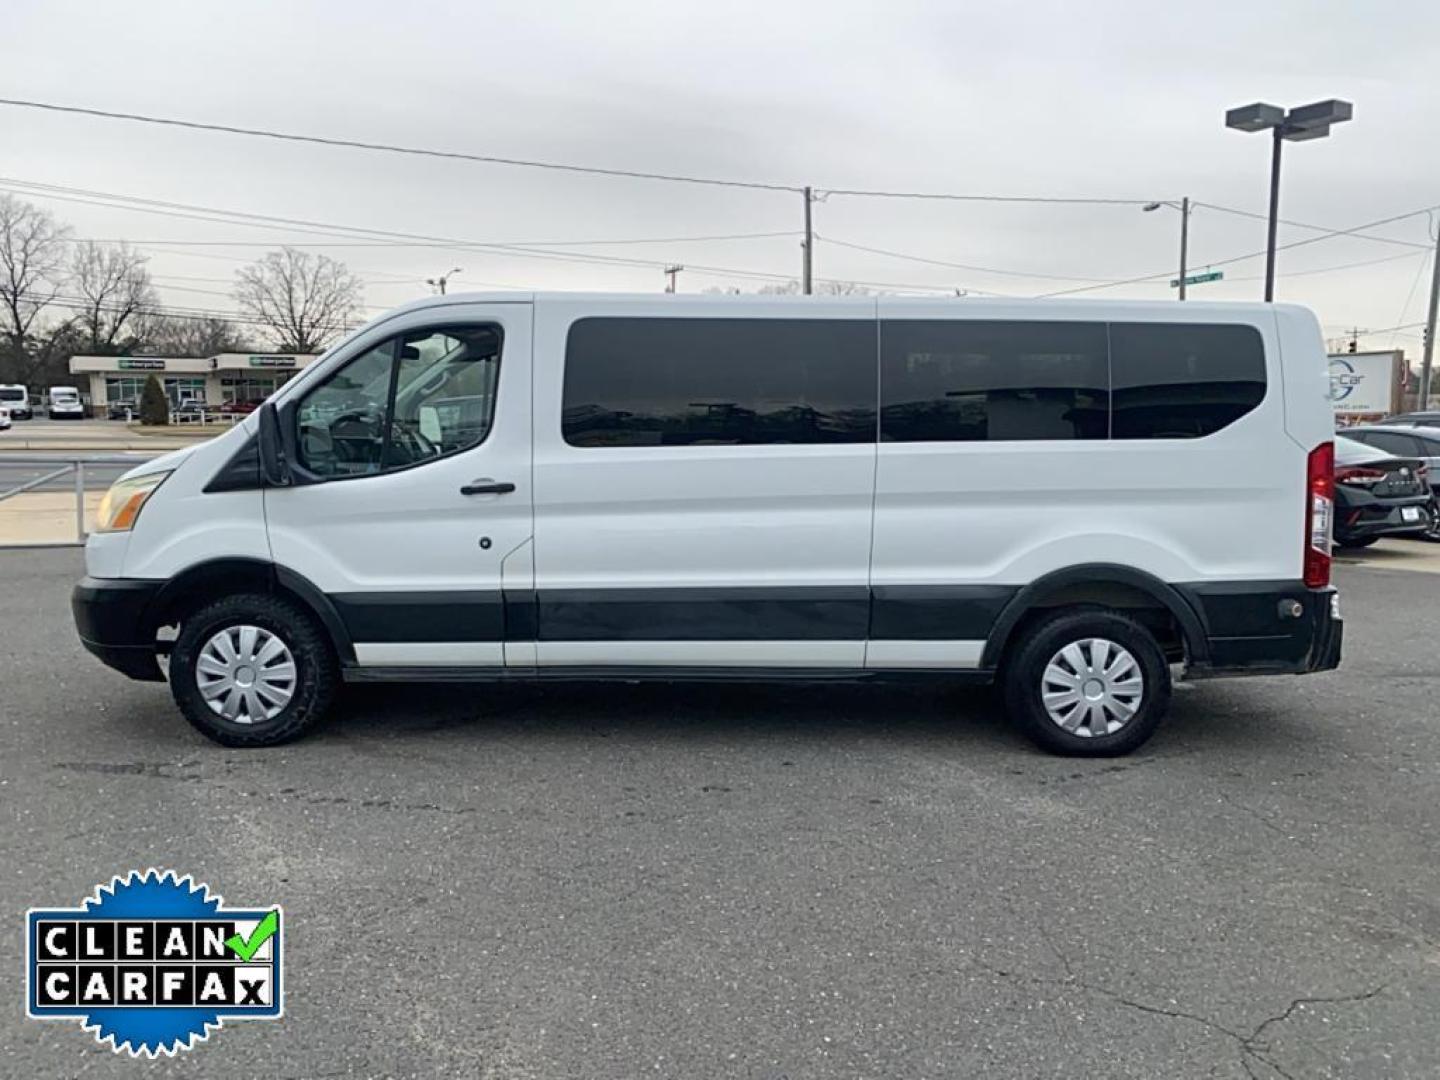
[10,394]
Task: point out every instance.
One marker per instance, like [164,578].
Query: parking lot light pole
[1298,125]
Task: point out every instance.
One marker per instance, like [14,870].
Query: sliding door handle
[487,487]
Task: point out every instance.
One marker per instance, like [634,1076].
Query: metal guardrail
[60,466]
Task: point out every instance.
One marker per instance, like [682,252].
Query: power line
[189,211]
[391,148]
[395,243]
[186,210]
[592,170]
[1252,255]
[823,193]
[1302,225]
[1333,269]
[955,265]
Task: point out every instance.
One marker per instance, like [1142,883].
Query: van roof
[1071,305]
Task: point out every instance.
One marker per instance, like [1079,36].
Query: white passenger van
[65,404]
[1069,497]
[16,400]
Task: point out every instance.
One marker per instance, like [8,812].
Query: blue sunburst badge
[152,963]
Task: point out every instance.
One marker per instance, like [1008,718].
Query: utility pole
[439,283]
[806,281]
[1184,240]
[1426,363]
[670,272]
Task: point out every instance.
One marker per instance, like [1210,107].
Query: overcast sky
[1107,100]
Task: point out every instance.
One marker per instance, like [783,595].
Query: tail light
[1320,477]
[1358,475]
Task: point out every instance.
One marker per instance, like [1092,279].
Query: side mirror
[274,467]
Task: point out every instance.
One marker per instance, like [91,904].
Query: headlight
[123,502]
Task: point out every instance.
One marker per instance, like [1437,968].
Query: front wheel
[1356,541]
[252,670]
[1087,682]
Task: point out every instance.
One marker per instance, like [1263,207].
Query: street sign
[1197,279]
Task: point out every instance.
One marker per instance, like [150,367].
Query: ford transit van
[1069,497]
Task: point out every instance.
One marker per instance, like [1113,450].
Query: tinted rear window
[1183,380]
[988,380]
[690,382]
[1392,442]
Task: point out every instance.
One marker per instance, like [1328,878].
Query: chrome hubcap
[246,674]
[1092,687]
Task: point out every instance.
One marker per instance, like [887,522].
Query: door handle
[487,487]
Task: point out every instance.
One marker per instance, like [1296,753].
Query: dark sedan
[1378,495]
[1420,443]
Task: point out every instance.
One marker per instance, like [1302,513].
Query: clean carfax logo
[152,962]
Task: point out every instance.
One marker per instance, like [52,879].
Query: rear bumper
[1253,628]
[112,619]
[1360,516]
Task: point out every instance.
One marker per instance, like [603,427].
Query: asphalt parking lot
[583,881]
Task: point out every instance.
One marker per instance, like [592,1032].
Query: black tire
[1023,680]
[1432,523]
[317,674]
[1356,541]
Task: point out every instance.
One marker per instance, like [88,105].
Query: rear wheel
[1087,682]
[252,670]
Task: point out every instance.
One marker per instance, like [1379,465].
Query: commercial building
[1368,386]
[210,382]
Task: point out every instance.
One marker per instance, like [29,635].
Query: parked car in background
[239,408]
[1378,494]
[4,418]
[1422,443]
[16,400]
[65,404]
[1421,418]
[123,409]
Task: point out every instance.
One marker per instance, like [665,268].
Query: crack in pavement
[1251,1045]
[165,771]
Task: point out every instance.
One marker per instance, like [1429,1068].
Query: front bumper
[1252,628]
[114,621]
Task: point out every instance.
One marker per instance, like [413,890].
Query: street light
[443,280]
[1298,125]
[1184,207]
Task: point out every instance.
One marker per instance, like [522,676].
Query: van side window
[714,382]
[968,381]
[413,398]
[1183,380]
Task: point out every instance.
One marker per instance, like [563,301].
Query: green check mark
[245,948]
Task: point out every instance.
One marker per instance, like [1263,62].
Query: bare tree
[183,335]
[32,273]
[822,288]
[113,287]
[304,299]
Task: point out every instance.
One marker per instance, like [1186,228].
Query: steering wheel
[411,442]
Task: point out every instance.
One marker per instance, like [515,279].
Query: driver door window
[420,396]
